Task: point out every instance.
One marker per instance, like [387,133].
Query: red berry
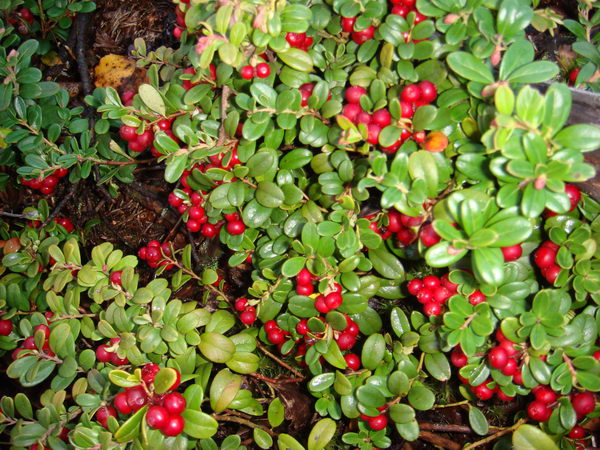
[263,70]
[145,139]
[115,277]
[208,230]
[333,300]
[431,281]
[270,325]
[415,286]
[373,132]
[174,426]
[353,361]
[6,327]
[276,336]
[236,227]
[346,341]
[193,225]
[510,368]
[157,417]
[304,277]
[102,354]
[428,236]
[65,223]
[121,404]
[538,411]
[29,343]
[174,403]
[196,212]
[354,93]
[348,24]
[409,221]
[247,72]
[551,273]
[577,432]
[476,298]
[136,397]
[305,289]
[351,111]
[352,328]
[177,32]
[103,413]
[321,305]
[240,304]
[545,395]
[117,361]
[378,423]
[410,94]
[248,317]
[544,257]
[502,396]
[497,357]
[428,91]
[360,37]
[295,39]
[432,309]
[382,117]
[50,181]
[425,295]
[127,133]
[583,403]
[302,327]
[149,372]
[441,294]
[512,253]
[574,195]
[483,392]
[596,355]
[458,358]
[177,381]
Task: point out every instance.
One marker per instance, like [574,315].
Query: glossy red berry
[476,298]
[551,273]
[414,286]
[544,257]
[174,403]
[302,327]
[483,392]
[321,305]
[248,317]
[136,397]
[120,402]
[270,325]
[174,426]
[354,93]
[276,336]
[431,281]
[428,91]
[263,70]
[574,195]
[240,304]
[208,230]
[103,413]
[6,327]
[348,24]
[382,118]
[539,411]
[458,358]
[236,227]
[29,343]
[102,354]
[333,300]
[512,253]
[149,372]
[410,94]
[157,417]
[353,361]
[545,395]
[305,289]
[378,423]
[247,72]
[115,277]
[346,341]
[510,368]
[577,432]
[497,357]
[428,236]
[127,133]
[432,309]
[583,403]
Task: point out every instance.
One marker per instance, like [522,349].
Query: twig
[497,435]
[279,360]
[61,204]
[276,380]
[243,422]
[100,186]
[225,93]
[17,216]
[449,405]
[439,441]
[81,22]
[449,428]
[195,254]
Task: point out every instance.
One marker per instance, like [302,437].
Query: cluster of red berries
[346,339]
[187,84]
[299,40]
[545,400]
[247,312]
[180,19]
[262,70]
[137,142]
[433,292]
[360,36]
[545,259]
[165,410]
[29,342]
[22,16]
[108,353]
[379,422]
[193,207]
[154,254]
[46,185]
[400,225]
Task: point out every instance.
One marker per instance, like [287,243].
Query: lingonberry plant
[396,193]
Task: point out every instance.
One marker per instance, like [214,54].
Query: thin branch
[225,93]
[17,216]
[276,380]
[450,428]
[439,441]
[241,421]
[495,436]
[61,204]
[81,22]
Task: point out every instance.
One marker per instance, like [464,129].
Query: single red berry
[352,328]
[247,72]
[410,94]
[236,227]
[117,361]
[382,118]
[428,91]
[177,381]
[149,372]
[596,355]
[353,361]
[428,236]
[510,368]
[373,132]
[295,40]
[502,396]
[577,432]
[248,317]
[431,281]
[360,37]
[574,195]
[354,93]
[29,343]
[551,273]
[351,112]
[321,304]
[121,404]
[476,298]
[378,423]
[483,392]
[441,294]
[6,327]
[512,253]
[544,257]
[263,70]
[348,24]
[270,325]
[174,426]
[193,225]
[240,304]
[102,354]
[333,300]
[276,336]
[115,277]
[305,289]
[157,417]
[363,117]
[432,309]
[458,358]
[414,286]
[545,395]
[497,357]
[539,411]
[136,397]
[425,295]
[583,403]
[128,133]
[103,413]
[65,223]
[346,341]
[302,327]
[196,212]
[208,230]
[174,403]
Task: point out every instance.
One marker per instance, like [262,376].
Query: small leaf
[276,412]
[321,434]
[478,422]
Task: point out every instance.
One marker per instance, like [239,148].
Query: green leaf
[165,378]
[468,66]
[373,351]
[582,137]
[437,365]
[216,347]
[223,389]
[262,438]
[420,397]
[23,406]
[401,413]
[276,413]
[199,425]
[321,434]
[152,98]
[529,437]
[297,59]
[269,194]
[478,422]
[287,442]
[386,264]
[131,428]
[534,72]
[488,265]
